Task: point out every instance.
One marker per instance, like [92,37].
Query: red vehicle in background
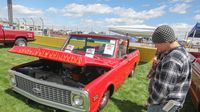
[195,85]
[15,37]
[79,78]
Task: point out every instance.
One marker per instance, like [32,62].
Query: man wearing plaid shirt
[171,77]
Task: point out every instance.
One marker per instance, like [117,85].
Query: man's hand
[153,68]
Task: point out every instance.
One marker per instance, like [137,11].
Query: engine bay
[61,73]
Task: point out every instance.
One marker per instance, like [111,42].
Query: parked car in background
[79,78]
[195,85]
[15,37]
[194,36]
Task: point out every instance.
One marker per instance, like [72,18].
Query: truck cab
[80,77]
[1,34]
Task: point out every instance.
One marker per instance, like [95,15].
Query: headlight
[13,80]
[77,100]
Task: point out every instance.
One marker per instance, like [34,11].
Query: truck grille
[44,91]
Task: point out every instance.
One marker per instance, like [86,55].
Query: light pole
[24,23]
[10,12]
[42,25]
[18,23]
[33,24]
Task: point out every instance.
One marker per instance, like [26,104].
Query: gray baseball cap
[163,34]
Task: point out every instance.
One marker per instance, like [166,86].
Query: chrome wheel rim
[105,98]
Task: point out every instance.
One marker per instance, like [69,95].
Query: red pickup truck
[79,78]
[195,85]
[15,37]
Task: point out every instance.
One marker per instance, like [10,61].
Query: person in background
[171,78]
[123,48]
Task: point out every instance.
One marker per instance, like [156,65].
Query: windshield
[91,46]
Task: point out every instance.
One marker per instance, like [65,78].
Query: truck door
[121,71]
[122,54]
[1,34]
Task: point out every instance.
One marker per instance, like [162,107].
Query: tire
[104,100]
[21,42]
[132,72]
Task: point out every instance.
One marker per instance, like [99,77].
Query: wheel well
[20,37]
[111,89]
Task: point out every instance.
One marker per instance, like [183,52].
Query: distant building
[76,32]
[92,33]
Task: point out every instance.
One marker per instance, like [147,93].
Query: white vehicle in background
[194,36]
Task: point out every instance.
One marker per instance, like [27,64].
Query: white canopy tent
[134,31]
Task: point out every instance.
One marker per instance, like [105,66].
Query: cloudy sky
[98,14]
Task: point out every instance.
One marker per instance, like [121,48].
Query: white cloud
[121,15]
[90,21]
[181,26]
[197,17]
[173,1]
[180,8]
[52,9]
[129,21]
[181,29]
[186,1]
[26,10]
[89,25]
[79,9]
[130,16]
[152,13]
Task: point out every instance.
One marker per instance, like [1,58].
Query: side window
[197,34]
[191,34]
[77,42]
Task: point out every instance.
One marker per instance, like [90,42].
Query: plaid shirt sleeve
[161,84]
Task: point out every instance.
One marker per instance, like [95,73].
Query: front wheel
[104,99]
[20,42]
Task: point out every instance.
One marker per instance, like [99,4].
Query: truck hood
[62,56]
